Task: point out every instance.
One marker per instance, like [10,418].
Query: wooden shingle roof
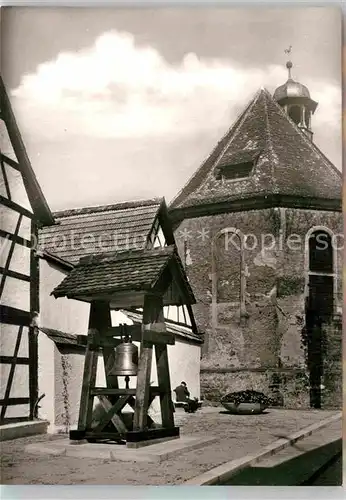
[114,272]
[95,230]
[286,162]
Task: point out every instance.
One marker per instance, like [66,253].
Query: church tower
[250,220]
[295,99]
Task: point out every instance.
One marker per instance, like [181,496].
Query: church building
[259,227]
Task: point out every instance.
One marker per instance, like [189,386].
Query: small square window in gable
[237,165]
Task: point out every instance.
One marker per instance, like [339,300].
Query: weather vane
[289,63]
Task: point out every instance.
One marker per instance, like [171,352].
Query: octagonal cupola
[295,98]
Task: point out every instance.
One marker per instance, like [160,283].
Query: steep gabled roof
[286,162]
[13,153]
[93,230]
[127,271]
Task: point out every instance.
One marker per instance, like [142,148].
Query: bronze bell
[126,358]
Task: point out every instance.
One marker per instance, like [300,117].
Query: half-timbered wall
[179,314]
[18,291]
[23,210]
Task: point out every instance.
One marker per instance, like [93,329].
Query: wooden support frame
[154,338]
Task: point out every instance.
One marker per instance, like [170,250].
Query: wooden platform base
[132,438]
[151,434]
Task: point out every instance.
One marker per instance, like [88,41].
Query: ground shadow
[227,412]
[303,470]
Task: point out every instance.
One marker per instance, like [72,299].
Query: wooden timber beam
[14,237]
[7,187]
[11,375]
[14,274]
[9,360]
[106,391]
[14,401]
[12,316]
[32,187]
[33,331]
[14,206]
[118,331]
[138,334]
[111,414]
[9,256]
[10,162]
[162,338]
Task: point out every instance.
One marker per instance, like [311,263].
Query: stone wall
[332,376]
[262,336]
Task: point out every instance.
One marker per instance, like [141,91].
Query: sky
[124,104]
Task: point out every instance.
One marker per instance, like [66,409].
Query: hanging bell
[126,359]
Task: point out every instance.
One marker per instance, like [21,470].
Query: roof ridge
[241,121]
[269,139]
[123,205]
[230,131]
[125,255]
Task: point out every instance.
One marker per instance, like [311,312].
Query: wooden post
[89,378]
[153,321]
[33,340]
[99,318]
[151,312]
[165,385]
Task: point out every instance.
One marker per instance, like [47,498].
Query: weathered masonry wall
[251,297]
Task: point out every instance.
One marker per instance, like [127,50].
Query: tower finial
[289,67]
[289,63]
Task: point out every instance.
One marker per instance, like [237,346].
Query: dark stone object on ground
[245,408]
[245,402]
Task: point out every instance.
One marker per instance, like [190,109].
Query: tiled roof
[171,326]
[94,230]
[60,337]
[288,162]
[107,273]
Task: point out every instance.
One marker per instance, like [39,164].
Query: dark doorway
[319,307]
[320,253]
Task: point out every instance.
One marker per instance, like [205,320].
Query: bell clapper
[127,381]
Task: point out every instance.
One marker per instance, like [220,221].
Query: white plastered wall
[60,375]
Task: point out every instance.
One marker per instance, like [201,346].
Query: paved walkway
[236,436]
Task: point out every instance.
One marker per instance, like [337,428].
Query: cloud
[125,108]
[117,89]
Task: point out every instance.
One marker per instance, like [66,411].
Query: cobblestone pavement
[237,436]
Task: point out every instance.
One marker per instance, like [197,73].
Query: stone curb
[223,472]
[23,429]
